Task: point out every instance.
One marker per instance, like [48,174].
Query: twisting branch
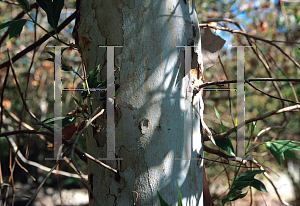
[267,67]
[221,82]
[226,156]
[4,134]
[2,97]
[10,2]
[234,129]
[81,154]
[40,41]
[271,95]
[35,164]
[253,37]
[217,83]
[269,179]
[23,100]
[19,16]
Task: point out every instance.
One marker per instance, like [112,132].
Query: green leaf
[282,148]
[51,53]
[23,4]
[93,82]
[52,9]
[64,120]
[218,116]
[64,67]
[226,145]
[258,185]
[239,185]
[16,28]
[240,196]
[179,196]
[244,180]
[237,194]
[9,23]
[290,154]
[57,7]
[92,78]
[161,200]
[249,175]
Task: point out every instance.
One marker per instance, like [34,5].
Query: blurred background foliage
[269,19]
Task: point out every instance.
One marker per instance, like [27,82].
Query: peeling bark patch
[132,159]
[91,178]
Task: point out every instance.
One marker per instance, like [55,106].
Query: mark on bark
[100,136]
[144,126]
[129,3]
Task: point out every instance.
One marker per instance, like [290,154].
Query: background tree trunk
[151,129]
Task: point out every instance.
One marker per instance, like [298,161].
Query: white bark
[151,101]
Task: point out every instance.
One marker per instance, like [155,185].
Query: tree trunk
[153,123]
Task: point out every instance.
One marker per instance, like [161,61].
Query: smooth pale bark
[151,129]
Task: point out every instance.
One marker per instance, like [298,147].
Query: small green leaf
[239,185]
[249,175]
[290,154]
[93,82]
[23,4]
[240,196]
[179,196]
[64,67]
[51,53]
[161,200]
[57,7]
[282,148]
[258,185]
[237,194]
[16,28]
[226,145]
[52,9]
[64,120]
[6,24]
[92,78]
[218,116]
[244,180]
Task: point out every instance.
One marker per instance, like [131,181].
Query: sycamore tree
[133,91]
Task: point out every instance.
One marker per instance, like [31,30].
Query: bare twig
[4,134]
[91,119]
[15,118]
[11,2]
[23,100]
[248,82]
[78,151]
[2,97]
[267,129]
[271,95]
[37,165]
[269,179]
[221,82]
[234,129]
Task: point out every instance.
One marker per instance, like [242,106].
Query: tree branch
[39,42]
[234,129]
[19,16]
[253,37]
